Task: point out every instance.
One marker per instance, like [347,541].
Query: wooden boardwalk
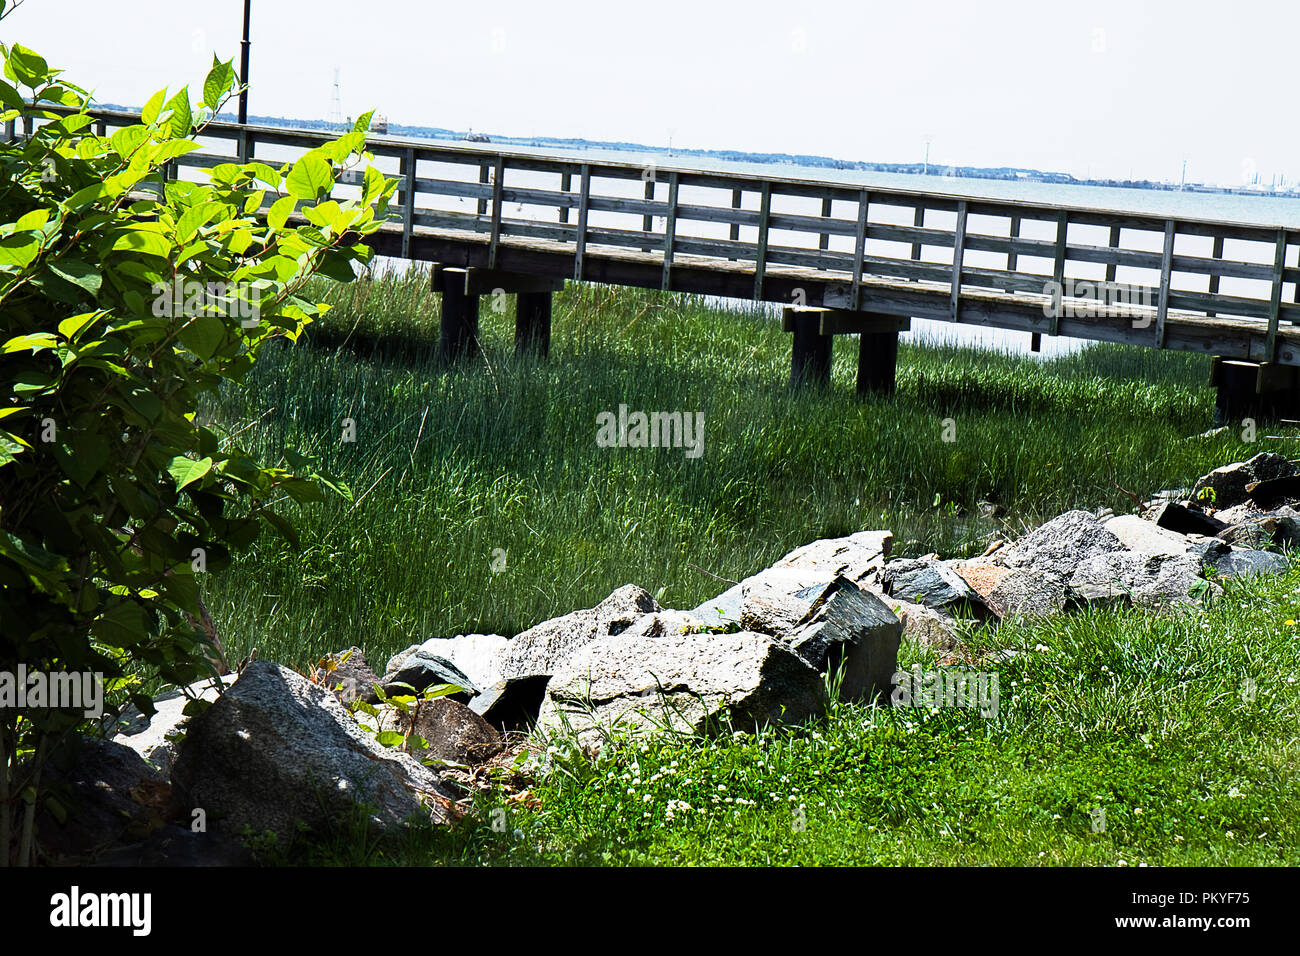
[844,258]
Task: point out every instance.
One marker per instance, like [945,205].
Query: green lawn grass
[1140,714]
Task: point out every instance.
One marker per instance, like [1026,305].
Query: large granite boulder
[156,738]
[1149,580]
[1055,548]
[276,749]
[1138,534]
[679,682]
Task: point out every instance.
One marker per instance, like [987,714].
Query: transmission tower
[336,104]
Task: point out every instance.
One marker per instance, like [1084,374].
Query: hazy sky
[1112,88]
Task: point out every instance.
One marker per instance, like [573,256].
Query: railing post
[408,201]
[860,246]
[566,185]
[584,196]
[958,254]
[1275,300]
[760,261]
[1058,270]
[670,231]
[1013,233]
[918,221]
[824,238]
[1166,273]
[1216,252]
[245,146]
[498,177]
[481,205]
[1111,267]
[737,196]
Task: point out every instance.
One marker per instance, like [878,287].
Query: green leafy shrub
[126,297]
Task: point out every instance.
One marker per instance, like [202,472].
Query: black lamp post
[243,68]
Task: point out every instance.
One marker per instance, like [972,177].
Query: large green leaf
[309,177]
[185,471]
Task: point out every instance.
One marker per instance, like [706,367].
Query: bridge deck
[1227,289]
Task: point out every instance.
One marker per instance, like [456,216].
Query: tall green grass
[451,465]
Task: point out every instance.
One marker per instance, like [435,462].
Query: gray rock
[850,627]
[477,656]
[453,732]
[110,795]
[927,582]
[276,749]
[1229,482]
[156,738]
[768,610]
[1209,549]
[682,682]
[422,670]
[1055,548]
[1151,580]
[860,557]
[351,679]
[1026,593]
[925,626]
[1246,562]
[540,650]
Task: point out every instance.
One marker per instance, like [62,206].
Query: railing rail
[683,215]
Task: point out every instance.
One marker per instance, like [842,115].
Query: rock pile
[278,749]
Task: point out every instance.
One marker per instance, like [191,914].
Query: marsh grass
[451,465]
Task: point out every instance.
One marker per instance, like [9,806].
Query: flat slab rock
[679,682]
[276,749]
[541,650]
[859,557]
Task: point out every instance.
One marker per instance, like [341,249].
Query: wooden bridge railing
[1066,256]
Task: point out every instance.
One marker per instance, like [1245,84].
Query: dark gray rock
[928,582]
[477,656]
[684,682]
[924,625]
[1247,562]
[277,749]
[1175,517]
[422,670]
[453,732]
[109,793]
[540,650]
[849,627]
[1228,483]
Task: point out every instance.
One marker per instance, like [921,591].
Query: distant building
[379,123]
[473,137]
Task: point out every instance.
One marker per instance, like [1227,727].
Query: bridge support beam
[459,335]
[1255,390]
[533,324]
[877,362]
[814,331]
[810,355]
